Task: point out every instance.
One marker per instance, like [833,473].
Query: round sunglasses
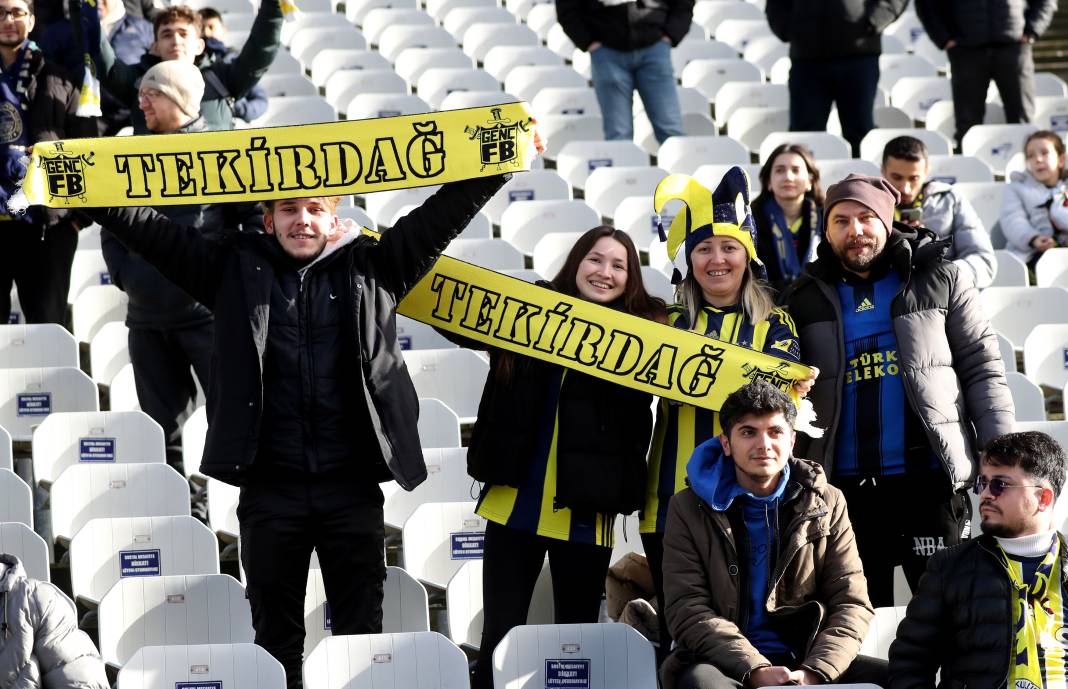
[997,486]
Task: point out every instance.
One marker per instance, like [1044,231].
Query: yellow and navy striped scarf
[1038,658]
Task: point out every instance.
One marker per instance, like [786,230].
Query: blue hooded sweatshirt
[712,477]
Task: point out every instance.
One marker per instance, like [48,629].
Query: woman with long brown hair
[560,454]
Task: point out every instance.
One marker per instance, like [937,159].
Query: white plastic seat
[37,346]
[285,64]
[607,186]
[765,51]
[535,185]
[752,126]
[560,129]
[739,32]
[460,19]
[524,223]
[871,147]
[1015,311]
[558,41]
[7,457]
[331,60]
[454,376]
[87,269]
[279,85]
[495,254]
[297,110]
[68,438]
[107,550]
[577,159]
[836,170]
[1052,268]
[480,37]
[459,100]
[344,85]
[688,51]
[1026,397]
[1051,112]
[894,67]
[396,38]
[749,94]
[941,118]
[1008,354]
[609,656]
[356,10]
[16,501]
[28,395]
[234,666]
[404,606]
[87,492]
[986,199]
[1045,355]
[881,632]
[1011,271]
[907,28]
[309,42]
[382,206]
[995,144]
[541,18]
[447,481]
[306,20]
[193,432]
[412,334]
[18,539]
[635,216]
[712,175]
[412,62]
[439,426]
[419,660]
[551,251]
[710,14]
[502,59]
[708,76]
[439,537]
[371,105]
[687,153]
[463,602]
[378,19]
[172,610]
[693,124]
[916,95]
[109,351]
[122,392]
[525,81]
[96,306]
[439,8]
[822,144]
[565,100]
[952,169]
[15,317]
[89,238]
[438,82]
[222,510]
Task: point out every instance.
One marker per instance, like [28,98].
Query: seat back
[16,501]
[454,376]
[417,660]
[18,539]
[37,346]
[234,666]
[68,438]
[439,537]
[28,395]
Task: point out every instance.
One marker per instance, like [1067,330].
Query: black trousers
[863,670]
[653,543]
[511,563]
[1010,66]
[887,536]
[39,266]
[161,359]
[848,82]
[280,525]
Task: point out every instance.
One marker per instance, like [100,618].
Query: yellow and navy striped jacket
[682,427]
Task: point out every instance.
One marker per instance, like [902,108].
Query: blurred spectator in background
[834,55]
[254,103]
[630,48]
[988,39]
[1034,200]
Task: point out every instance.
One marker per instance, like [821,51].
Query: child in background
[1034,201]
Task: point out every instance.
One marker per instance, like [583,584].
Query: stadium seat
[605,656]
[412,334]
[940,117]
[495,254]
[693,124]
[293,110]
[1015,311]
[995,144]
[88,269]
[371,105]
[525,81]
[711,175]
[749,94]
[28,395]
[952,169]
[541,19]
[193,431]
[437,82]
[481,36]
[344,85]
[459,100]
[577,159]
[310,41]
[871,147]
[234,666]
[279,85]
[832,171]
[15,317]
[558,130]
[501,60]
[378,19]
[85,492]
[708,76]
[447,481]
[459,19]
[626,535]
[222,510]
[418,660]
[285,64]
[535,185]
[780,71]
[606,187]
[356,10]
[635,216]
[1052,268]
[122,392]
[37,346]
[1011,271]
[710,14]
[96,306]
[396,38]
[752,126]
[906,28]
[107,550]
[684,53]
[1008,354]
[327,62]
[382,206]
[439,8]
[565,100]
[65,439]
[412,62]
[16,501]
[463,602]
[1051,112]
[172,610]
[404,606]
[740,32]
[894,67]
[1027,397]
[1045,355]
[109,351]
[558,42]
[687,153]
[765,51]
[551,251]
[454,376]
[439,426]
[18,539]
[524,223]
[823,145]
[439,537]
[881,632]
[986,199]
[7,457]
[306,20]
[916,95]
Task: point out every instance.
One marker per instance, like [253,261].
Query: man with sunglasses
[992,612]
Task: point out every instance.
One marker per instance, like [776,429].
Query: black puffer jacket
[830,29]
[960,620]
[232,275]
[627,26]
[155,301]
[982,22]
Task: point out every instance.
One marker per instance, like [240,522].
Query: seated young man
[991,612]
[763,585]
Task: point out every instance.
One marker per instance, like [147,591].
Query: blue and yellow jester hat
[724,212]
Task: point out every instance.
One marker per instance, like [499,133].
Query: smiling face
[760,445]
[602,274]
[719,264]
[302,226]
[178,40]
[1043,161]
[13,31]
[856,234]
[162,115]
[790,177]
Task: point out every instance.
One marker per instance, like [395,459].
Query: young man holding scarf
[992,612]
[38,102]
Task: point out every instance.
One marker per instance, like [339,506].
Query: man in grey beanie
[911,380]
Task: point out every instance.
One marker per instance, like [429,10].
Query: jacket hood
[935,186]
[10,571]
[711,474]
[1027,179]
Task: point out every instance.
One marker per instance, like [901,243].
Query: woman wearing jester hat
[720,293]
